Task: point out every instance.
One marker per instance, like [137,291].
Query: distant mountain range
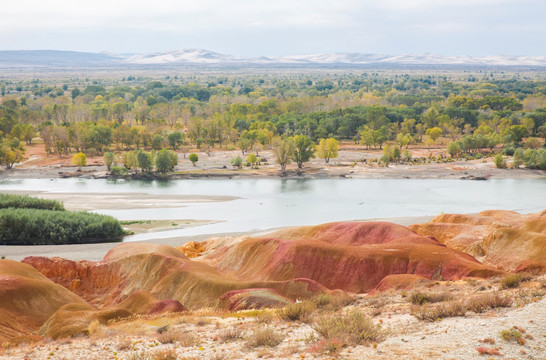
[57,58]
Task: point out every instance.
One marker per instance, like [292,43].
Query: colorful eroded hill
[55,297]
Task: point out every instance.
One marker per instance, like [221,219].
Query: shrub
[264,337]
[297,312]
[47,227]
[509,151]
[27,202]
[512,335]
[118,171]
[511,281]
[353,328]
[500,163]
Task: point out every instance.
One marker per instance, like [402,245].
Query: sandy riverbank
[351,162]
[120,201]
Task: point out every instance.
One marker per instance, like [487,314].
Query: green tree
[403,140]
[327,149]
[109,159]
[165,161]
[176,139]
[519,158]
[434,133]
[304,150]
[79,159]
[453,148]
[158,142]
[193,158]
[252,160]
[283,150]
[237,162]
[144,161]
[516,133]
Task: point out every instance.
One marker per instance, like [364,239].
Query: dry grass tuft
[297,312]
[164,355]
[331,302]
[124,344]
[230,335]
[420,298]
[168,337]
[352,328]
[265,317]
[186,340]
[444,310]
[142,355]
[483,302]
[512,281]
[264,337]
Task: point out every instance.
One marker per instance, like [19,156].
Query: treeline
[30,221]
[250,112]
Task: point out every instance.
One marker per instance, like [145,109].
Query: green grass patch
[27,202]
[48,227]
[135,222]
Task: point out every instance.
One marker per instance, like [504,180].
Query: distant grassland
[30,221]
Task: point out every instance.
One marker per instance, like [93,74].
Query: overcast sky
[278,27]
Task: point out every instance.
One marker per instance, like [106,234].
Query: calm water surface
[268,203]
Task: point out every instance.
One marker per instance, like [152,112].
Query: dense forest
[474,111]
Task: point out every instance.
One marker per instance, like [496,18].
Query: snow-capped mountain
[205,57]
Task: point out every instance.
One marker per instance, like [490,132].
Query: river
[269,203]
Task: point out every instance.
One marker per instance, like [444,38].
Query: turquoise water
[268,203]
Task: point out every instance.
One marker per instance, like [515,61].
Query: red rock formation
[160,270]
[503,239]
[351,256]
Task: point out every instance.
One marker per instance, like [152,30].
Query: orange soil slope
[27,299]
[161,271]
[503,239]
[351,256]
